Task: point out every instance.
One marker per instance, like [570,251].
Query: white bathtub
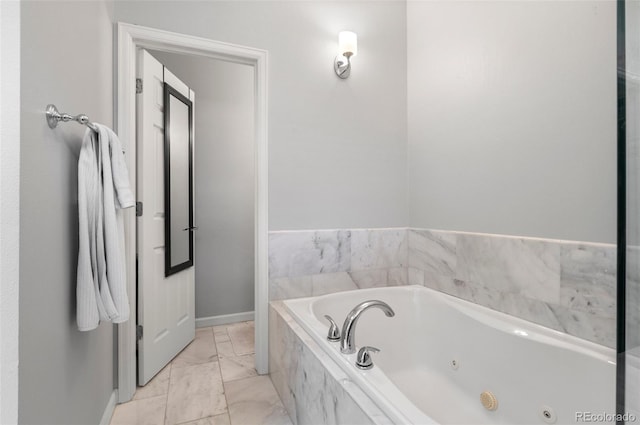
[529,368]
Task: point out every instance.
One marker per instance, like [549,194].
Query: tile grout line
[224,387]
[166,400]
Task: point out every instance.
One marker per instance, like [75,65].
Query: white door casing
[166,305]
[130,38]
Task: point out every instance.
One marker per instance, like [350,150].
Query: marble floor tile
[255,401]
[195,392]
[220,334]
[196,378]
[190,389]
[212,420]
[225,349]
[242,337]
[201,350]
[148,411]
[237,367]
[198,405]
[159,385]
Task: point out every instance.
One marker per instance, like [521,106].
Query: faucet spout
[348,339]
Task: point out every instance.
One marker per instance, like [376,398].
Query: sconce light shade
[348,42]
[347,47]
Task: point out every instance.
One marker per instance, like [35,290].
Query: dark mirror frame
[168,268]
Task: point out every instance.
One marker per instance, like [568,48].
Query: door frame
[130,38]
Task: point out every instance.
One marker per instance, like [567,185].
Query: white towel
[103,189]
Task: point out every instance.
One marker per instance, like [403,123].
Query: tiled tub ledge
[313,388]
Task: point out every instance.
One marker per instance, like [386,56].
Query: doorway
[224,176]
[130,39]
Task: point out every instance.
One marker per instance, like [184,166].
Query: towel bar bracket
[54,117]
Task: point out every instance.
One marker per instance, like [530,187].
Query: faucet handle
[334,331]
[363,358]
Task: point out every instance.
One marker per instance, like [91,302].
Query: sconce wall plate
[342,65]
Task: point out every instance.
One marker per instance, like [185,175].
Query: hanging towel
[103,190]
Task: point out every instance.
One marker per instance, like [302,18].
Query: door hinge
[138,209]
[138,85]
[138,333]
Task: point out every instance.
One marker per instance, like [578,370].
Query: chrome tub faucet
[348,335]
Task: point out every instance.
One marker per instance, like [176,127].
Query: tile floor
[211,382]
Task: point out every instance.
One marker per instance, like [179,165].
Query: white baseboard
[108,411]
[225,319]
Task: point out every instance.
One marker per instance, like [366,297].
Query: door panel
[166,305]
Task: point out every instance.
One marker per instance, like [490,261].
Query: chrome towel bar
[53,117]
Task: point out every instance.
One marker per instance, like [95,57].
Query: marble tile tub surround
[317,262]
[313,388]
[565,285]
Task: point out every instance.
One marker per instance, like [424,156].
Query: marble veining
[433,252]
[317,262]
[526,266]
[587,326]
[529,309]
[237,367]
[372,278]
[379,248]
[588,279]
[303,253]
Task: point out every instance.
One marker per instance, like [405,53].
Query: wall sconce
[348,47]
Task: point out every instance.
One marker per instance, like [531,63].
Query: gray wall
[65,376]
[337,148]
[224,181]
[512,118]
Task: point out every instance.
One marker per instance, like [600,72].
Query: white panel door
[166,305]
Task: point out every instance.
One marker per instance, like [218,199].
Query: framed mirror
[178,181]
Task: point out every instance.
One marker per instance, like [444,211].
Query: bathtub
[439,353]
